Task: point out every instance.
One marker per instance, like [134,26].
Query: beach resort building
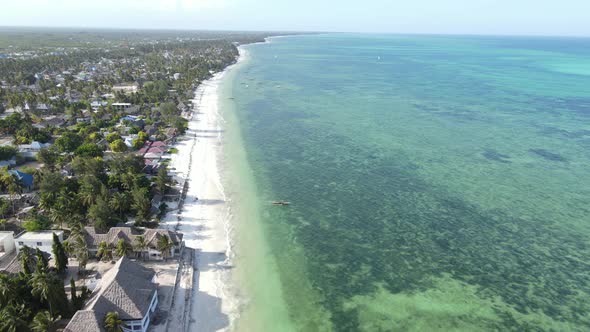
[129,235]
[7,246]
[128,289]
[42,240]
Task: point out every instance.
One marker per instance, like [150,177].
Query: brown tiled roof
[129,234]
[12,265]
[111,237]
[127,289]
[152,235]
[85,321]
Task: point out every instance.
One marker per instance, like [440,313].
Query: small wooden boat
[281,203]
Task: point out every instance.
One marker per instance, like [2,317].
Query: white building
[42,240]
[6,244]
[126,88]
[31,150]
[121,106]
[98,104]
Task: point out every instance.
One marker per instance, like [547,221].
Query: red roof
[155,150]
[158,144]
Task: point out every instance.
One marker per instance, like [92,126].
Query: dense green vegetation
[96,98]
[35,298]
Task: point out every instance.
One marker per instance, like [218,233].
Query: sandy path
[204,222]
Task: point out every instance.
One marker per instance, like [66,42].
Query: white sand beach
[205,222]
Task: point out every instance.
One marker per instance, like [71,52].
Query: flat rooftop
[42,235]
[5,234]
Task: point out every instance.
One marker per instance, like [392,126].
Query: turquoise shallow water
[437,182]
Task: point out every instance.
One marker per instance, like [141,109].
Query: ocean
[437,183]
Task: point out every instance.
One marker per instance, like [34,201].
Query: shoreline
[219,291]
[205,217]
[256,277]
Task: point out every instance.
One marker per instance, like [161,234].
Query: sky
[496,17]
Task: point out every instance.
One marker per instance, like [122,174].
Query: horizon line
[148,29]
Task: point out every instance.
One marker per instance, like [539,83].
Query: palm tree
[11,319]
[162,180]
[86,197]
[127,180]
[24,257]
[164,246]
[58,215]
[76,228]
[43,322]
[100,212]
[88,191]
[14,188]
[82,259]
[7,290]
[120,202]
[123,248]
[112,322]
[60,211]
[140,245]
[46,200]
[68,248]
[77,246]
[141,204]
[43,287]
[104,251]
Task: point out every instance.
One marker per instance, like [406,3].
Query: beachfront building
[7,246]
[128,289]
[129,235]
[42,240]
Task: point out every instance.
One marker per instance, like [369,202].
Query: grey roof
[127,289]
[12,265]
[9,264]
[129,234]
[111,237]
[85,321]
[152,235]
